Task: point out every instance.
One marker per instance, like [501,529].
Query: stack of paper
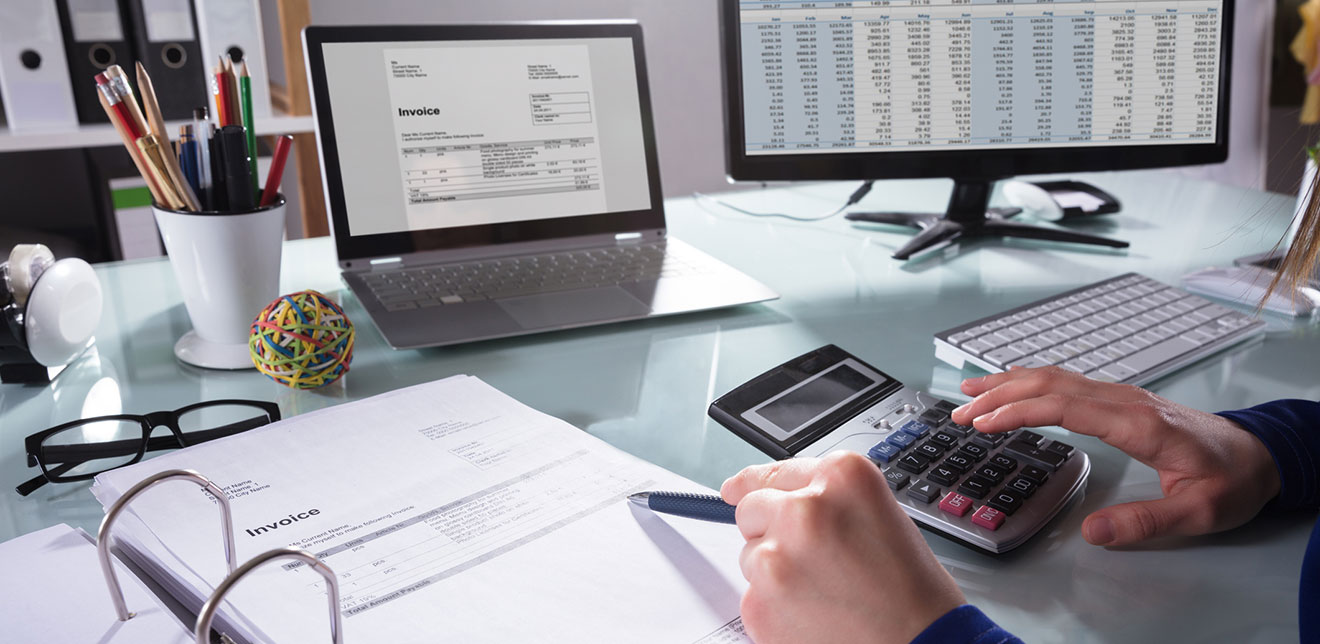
[449,512]
[52,590]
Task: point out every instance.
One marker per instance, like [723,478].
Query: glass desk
[644,386]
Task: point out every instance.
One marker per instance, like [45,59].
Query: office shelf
[90,136]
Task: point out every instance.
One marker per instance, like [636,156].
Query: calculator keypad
[987,476]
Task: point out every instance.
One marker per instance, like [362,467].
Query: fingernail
[962,408]
[1100,531]
[973,381]
[985,417]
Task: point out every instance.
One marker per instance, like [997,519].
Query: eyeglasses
[80,450]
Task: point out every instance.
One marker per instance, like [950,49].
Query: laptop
[486,181]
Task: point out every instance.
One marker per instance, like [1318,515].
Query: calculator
[992,492]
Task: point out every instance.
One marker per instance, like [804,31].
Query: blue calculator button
[900,440]
[883,452]
[916,428]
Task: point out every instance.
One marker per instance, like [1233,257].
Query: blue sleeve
[1290,430]
[965,625]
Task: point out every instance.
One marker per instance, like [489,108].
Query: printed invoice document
[448,512]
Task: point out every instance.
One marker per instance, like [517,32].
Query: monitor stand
[969,216]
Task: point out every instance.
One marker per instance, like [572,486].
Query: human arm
[1290,430]
[831,557]
[1213,475]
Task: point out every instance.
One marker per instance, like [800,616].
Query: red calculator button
[956,504]
[988,518]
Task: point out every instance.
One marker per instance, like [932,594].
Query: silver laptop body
[486,181]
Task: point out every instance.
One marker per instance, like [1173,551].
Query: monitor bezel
[359,247]
[977,164]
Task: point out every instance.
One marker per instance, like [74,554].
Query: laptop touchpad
[574,307]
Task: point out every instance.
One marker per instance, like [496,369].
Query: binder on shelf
[34,74]
[233,28]
[165,41]
[94,39]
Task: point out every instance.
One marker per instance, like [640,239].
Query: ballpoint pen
[704,507]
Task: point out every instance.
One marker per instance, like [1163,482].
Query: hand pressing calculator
[989,491]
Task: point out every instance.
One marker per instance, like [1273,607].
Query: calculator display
[795,409]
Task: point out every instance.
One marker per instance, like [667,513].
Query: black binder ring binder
[203,628]
[103,535]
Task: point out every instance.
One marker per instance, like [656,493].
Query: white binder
[234,26]
[34,74]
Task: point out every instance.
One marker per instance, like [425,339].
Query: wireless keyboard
[1129,329]
[989,491]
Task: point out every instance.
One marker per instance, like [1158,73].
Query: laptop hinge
[628,238]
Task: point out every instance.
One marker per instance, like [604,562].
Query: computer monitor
[975,90]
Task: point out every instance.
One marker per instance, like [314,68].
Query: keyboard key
[973,451]
[943,475]
[1062,449]
[956,504]
[1004,462]
[883,452]
[1034,474]
[924,491]
[990,441]
[916,428]
[1034,455]
[958,463]
[945,406]
[1029,362]
[1050,357]
[975,487]
[1006,501]
[934,417]
[944,439]
[1003,356]
[900,440]
[929,450]
[1030,437]
[994,473]
[965,430]
[959,338]
[913,463]
[988,518]
[1022,485]
[896,479]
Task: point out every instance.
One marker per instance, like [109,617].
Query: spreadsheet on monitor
[913,75]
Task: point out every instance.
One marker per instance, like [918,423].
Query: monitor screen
[1040,86]
[450,134]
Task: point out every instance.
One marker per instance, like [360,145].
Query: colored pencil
[245,99]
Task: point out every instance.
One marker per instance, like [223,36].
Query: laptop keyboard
[1129,329]
[446,284]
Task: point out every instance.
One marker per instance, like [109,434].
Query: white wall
[682,49]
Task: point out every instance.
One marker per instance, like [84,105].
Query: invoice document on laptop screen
[467,133]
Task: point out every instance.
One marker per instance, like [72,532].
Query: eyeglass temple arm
[103,535]
[202,630]
[33,484]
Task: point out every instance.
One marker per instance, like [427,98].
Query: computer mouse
[1247,285]
[1032,199]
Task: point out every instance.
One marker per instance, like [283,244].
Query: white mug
[228,268]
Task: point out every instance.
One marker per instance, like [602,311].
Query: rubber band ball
[302,340]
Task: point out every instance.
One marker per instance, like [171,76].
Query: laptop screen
[445,134]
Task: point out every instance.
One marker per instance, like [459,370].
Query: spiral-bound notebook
[448,512]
